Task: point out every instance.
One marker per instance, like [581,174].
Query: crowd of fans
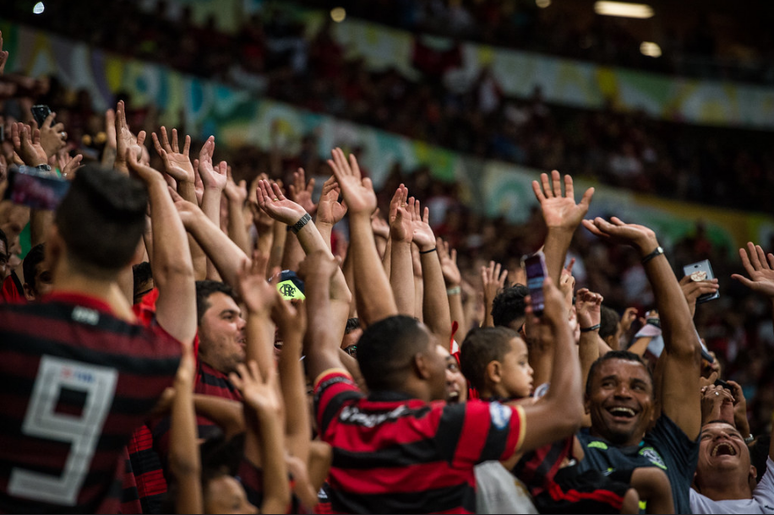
[723,167]
[692,43]
[179,307]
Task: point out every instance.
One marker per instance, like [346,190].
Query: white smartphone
[701,271]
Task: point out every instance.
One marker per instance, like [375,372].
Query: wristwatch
[659,250]
[301,223]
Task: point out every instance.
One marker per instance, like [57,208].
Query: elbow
[177,269]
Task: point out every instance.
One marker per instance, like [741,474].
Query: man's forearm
[555,249]
[435,303]
[374,296]
[402,278]
[224,253]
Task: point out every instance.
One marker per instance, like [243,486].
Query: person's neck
[633,441]
[724,490]
[106,290]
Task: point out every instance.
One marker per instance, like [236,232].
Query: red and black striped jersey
[394,454]
[75,381]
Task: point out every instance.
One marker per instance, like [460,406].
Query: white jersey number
[82,432]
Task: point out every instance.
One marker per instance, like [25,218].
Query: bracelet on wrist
[589,329]
[456,290]
[428,251]
[659,250]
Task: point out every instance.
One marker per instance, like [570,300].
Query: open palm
[560,211]
[760,268]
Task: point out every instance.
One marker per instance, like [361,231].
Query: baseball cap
[290,286]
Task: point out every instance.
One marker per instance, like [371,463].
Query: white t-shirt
[762,501]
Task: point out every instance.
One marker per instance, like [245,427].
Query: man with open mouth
[725,479]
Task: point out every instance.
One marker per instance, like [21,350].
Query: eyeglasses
[351,350]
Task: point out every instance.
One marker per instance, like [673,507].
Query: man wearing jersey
[620,394]
[77,374]
[401,448]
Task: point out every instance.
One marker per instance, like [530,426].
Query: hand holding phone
[40,112]
[535,266]
[701,271]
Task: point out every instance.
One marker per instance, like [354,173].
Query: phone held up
[701,271]
[29,187]
[40,112]
[535,266]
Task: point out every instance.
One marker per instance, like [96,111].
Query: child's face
[516,372]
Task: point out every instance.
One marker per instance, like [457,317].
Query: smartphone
[28,187]
[535,266]
[703,272]
[40,112]
[723,384]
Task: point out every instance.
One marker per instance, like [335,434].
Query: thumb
[744,280]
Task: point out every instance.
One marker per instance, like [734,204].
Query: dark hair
[352,324]
[101,219]
[4,239]
[615,354]
[509,305]
[203,291]
[35,256]
[482,346]
[386,349]
[608,324]
[141,273]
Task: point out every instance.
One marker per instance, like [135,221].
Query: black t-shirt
[666,446]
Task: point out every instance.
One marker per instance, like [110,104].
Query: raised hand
[53,137]
[3,55]
[125,140]
[493,278]
[760,268]
[695,289]
[628,318]
[329,210]
[26,143]
[236,193]
[260,394]
[301,193]
[451,274]
[567,282]
[616,231]
[144,172]
[358,192]
[68,165]
[186,210]
[258,295]
[554,310]
[401,227]
[176,163]
[379,225]
[560,212]
[275,204]
[588,306]
[420,225]
[290,319]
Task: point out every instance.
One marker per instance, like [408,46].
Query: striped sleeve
[331,390]
[477,431]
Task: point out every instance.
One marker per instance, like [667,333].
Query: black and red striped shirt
[75,381]
[394,454]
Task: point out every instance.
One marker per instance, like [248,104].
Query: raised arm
[493,280]
[374,297]
[184,460]
[282,209]
[236,194]
[224,253]
[682,349]
[562,216]
[291,322]
[435,305]
[261,397]
[453,280]
[329,210]
[321,346]
[173,272]
[401,269]
[564,396]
